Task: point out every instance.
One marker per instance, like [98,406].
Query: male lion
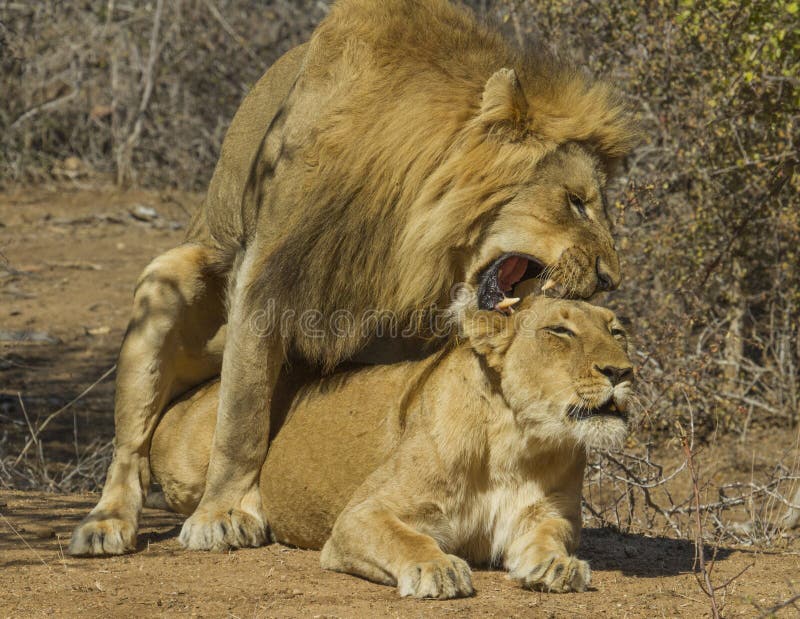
[405,148]
[477,451]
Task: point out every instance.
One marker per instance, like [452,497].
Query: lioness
[406,470]
[404,149]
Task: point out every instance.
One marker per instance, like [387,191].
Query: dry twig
[35,433]
[704,578]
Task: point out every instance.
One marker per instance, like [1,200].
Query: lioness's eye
[577,203]
[559,330]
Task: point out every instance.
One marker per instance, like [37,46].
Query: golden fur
[471,452]
[402,150]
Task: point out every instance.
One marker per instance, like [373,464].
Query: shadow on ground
[44,522]
[641,556]
[48,376]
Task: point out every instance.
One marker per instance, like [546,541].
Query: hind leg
[173,342]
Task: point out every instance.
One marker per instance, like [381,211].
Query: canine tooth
[551,288]
[506,303]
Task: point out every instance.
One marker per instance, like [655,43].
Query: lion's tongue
[511,271]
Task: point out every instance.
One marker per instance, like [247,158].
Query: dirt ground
[69,257]
[633,576]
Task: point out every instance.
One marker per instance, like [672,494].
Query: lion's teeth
[551,288]
[506,304]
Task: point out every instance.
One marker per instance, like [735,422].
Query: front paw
[103,534]
[556,574]
[206,530]
[443,578]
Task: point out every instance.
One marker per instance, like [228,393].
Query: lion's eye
[577,204]
[560,330]
[618,333]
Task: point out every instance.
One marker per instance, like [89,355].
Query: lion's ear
[490,334]
[504,108]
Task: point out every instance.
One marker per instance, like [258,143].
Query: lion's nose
[605,281]
[616,375]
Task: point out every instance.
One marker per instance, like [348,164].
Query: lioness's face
[566,372]
[555,230]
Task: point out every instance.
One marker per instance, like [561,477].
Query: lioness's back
[331,434]
[338,431]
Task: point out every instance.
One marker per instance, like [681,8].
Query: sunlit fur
[397,153]
[416,146]
[470,452]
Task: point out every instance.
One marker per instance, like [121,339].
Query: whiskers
[555,418]
[605,429]
[568,275]
[634,406]
[548,272]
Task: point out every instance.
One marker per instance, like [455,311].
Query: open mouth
[608,408]
[500,277]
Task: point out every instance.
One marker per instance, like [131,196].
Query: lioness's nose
[615,374]
[605,279]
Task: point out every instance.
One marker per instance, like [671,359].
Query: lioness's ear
[490,334]
[504,108]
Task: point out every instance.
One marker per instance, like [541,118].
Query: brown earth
[633,576]
[69,258]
